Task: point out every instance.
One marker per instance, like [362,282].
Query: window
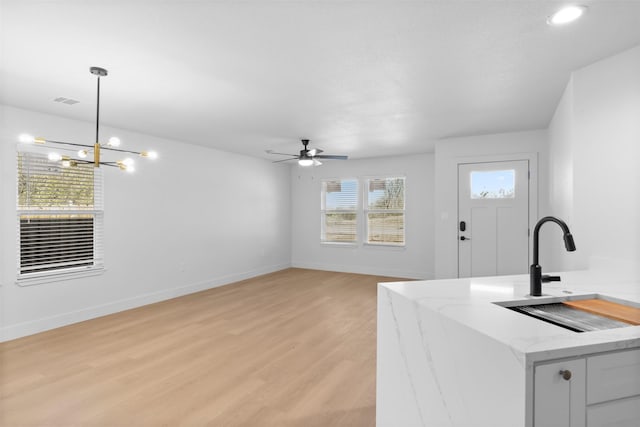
[339,211]
[60,217]
[385,211]
[493,184]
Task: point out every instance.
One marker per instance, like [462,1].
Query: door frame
[533,188]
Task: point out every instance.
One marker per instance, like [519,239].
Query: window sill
[385,246]
[30,280]
[341,244]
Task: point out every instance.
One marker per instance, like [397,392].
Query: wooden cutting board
[612,310]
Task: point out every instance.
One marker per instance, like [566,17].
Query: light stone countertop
[470,302]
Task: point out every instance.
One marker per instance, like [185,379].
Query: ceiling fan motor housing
[306,154]
[98,71]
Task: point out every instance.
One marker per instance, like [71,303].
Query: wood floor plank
[291,348]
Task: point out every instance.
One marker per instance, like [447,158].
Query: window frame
[324,211]
[96,212]
[366,210]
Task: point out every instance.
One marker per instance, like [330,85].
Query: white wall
[193,219]
[413,261]
[450,152]
[560,190]
[594,152]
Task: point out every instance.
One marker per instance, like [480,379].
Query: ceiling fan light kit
[308,157]
[96,148]
[566,15]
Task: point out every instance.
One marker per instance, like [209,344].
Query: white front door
[493,218]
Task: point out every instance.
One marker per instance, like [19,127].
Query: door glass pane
[493,184]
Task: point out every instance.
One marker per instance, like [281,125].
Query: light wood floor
[292,348]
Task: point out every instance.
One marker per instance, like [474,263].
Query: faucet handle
[546,278]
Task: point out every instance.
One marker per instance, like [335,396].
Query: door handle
[464,238]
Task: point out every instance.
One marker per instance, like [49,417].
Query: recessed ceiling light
[566,15]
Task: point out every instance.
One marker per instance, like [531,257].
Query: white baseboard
[357,269]
[23,329]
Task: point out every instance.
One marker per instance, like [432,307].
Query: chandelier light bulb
[149,154]
[66,163]
[114,141]
[82,154]
[126,165]
[54,157]
[25,138]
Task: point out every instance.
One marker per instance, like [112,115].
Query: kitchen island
[448,355]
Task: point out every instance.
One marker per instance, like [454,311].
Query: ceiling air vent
[64,100]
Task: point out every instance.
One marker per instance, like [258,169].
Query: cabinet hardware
[566,374]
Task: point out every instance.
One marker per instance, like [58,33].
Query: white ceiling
[363,78]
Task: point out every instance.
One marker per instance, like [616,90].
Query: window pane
[55,242]
[493,184]
[386,193]
[43,184]
[386,228]
[339,204]
[340,227]
[340,194]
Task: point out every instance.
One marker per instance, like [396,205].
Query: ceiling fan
[308,157]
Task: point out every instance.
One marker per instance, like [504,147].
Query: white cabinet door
[613,389]
[613,376]
[560,402]
[617,413]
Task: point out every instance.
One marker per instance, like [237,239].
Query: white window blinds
[339,210]
[385,211]
[60,216]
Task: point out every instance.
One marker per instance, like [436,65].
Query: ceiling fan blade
[284,160]
[316,162]
[328,156]
[314,152]
[282,154]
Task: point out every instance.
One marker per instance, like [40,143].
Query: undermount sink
[579,313]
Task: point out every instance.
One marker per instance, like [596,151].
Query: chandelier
[87,151]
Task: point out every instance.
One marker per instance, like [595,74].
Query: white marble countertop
[470,302]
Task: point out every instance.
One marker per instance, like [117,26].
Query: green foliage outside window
[42,184]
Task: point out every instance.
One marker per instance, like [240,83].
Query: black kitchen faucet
[535,271]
